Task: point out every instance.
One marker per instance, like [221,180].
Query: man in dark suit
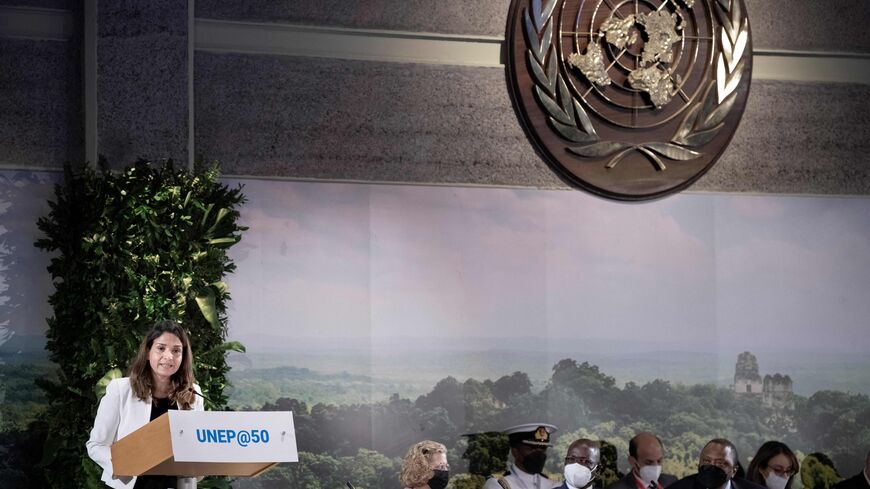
[859,481]
[717,469]
[645,454]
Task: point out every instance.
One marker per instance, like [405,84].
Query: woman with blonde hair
[160,379]
[425,466]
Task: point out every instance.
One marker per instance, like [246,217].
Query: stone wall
[271,114]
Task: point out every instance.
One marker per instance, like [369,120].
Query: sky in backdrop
[415,264]
[460,267]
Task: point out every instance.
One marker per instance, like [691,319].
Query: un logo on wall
[629,99]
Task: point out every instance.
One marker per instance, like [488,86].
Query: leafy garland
[130,249]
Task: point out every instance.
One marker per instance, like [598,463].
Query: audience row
[774,465]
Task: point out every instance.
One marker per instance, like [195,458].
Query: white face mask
[649,473]
[773,481]
[577,475]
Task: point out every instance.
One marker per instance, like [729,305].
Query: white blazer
[119,414]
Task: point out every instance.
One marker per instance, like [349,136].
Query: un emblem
[629,99]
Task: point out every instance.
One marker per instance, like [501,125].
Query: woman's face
[165,356]
[781,465]
[438,461]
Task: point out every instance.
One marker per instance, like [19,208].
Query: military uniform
[517,479]
[534,434]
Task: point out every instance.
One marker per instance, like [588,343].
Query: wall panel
[40,103]
[352,120]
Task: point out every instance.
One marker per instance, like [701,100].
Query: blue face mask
[439,479]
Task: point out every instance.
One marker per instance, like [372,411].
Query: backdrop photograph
[382,315]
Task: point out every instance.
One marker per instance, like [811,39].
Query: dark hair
[766,452]
[587,442]
[632,444]
[141,380]
[727,443]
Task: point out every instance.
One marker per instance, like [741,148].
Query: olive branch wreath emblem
[701,123]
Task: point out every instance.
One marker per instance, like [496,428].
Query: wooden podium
[199,443]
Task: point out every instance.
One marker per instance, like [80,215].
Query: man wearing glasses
[582,463]
[717,469]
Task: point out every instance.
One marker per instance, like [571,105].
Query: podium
[199,443]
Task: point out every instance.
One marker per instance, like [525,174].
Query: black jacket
[736,483]
[628,481]
[856,482]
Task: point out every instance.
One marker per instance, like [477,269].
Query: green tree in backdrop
[130,249]
[486,453]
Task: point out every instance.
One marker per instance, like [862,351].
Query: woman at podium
[160,379]
[425,466]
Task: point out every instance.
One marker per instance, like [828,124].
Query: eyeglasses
[589,464]
[782,471]
[441,467]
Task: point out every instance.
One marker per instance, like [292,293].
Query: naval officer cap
[535,434]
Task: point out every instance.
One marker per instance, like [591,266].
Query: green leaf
[100,388]
[222,213]
[208,209]
[215,483]
[235,346]
[221,287]
[224,241]
[206,303]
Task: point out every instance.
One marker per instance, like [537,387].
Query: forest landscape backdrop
[382,315]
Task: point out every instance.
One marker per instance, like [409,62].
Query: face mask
[711,477]
[650,473]
[439,479]
[577,475]
[534,462]
[773,481]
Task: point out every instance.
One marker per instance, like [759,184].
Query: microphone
[349,485]
[191,389]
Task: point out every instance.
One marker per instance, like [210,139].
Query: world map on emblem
[631,99]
